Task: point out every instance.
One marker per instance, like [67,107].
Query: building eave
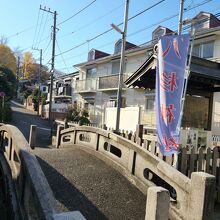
[113,56]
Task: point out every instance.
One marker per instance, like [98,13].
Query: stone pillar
[58,136]
[201,203]
[158,202]
[32,136]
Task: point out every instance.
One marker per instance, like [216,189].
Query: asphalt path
[80,181]
[23,119]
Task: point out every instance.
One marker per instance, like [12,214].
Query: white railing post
[201,197]
[158,202]
[32,136]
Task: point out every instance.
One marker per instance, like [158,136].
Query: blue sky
[20,22]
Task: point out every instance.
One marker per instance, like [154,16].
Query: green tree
[36,94]
[7,58]
[7,81]
[28,65]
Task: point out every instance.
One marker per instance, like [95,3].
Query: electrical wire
[184,29]
[110,29]
[39,31]
[62,56]
[81,10]
[40,39]
[36,27]
[92,22]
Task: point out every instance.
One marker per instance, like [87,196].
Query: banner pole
[187,73]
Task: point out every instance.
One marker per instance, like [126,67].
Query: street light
[120,76]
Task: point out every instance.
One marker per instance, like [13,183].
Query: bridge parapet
[33,194]
[145,170]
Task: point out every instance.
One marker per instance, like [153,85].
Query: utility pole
[17,75]
[52,63]
[40,67]
[39,78]
[180,23]
[122,63]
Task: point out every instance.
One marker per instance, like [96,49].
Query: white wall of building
[216,55]
[216,114]
[129,118]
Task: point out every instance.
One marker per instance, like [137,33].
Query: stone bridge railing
[189,198]
[31,196]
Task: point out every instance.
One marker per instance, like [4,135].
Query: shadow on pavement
[71,199]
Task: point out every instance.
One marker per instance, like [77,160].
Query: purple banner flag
[170,75]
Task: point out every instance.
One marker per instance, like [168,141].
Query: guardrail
[190,198]
[33,194]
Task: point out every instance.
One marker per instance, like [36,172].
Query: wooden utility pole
[52,63]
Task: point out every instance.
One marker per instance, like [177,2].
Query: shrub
[77,115]
[7,113]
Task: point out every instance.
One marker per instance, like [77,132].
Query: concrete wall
[129,118]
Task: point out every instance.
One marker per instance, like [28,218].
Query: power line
[62,56]
[36,27]
[143,29]
[92,22]
[110,29]
[20,32]
[39,31]
[43,29]
[47,46]
[77,12]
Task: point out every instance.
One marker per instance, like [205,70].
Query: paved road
[82,182]
[79,180]
[23,119]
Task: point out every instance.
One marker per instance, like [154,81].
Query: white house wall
[217,49]
[216,114]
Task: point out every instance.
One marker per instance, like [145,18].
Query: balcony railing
[87,85]
[110,82]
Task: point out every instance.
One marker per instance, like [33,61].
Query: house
[63,95]
[201,110]
[97,86]
[98,76]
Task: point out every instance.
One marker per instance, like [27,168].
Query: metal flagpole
[187,73]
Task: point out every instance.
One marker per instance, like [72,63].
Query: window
[150,104]
[208,49]
[204,50]
[115,67]
[91,73]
